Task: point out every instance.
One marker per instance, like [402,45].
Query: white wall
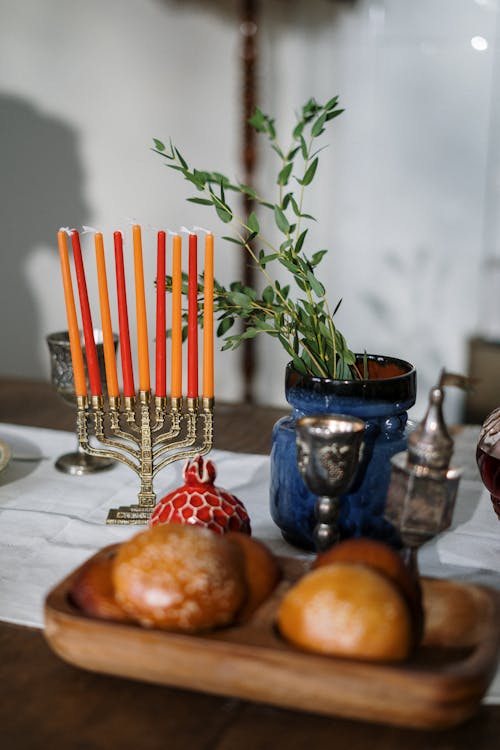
[399,197]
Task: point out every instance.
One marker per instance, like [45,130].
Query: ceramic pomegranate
[201,503]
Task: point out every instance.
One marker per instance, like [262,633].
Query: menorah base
[129,515]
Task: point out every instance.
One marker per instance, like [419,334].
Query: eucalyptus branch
[303,326]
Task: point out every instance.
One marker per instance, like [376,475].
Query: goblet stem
[326,531]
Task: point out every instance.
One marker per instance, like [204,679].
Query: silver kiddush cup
[329,450]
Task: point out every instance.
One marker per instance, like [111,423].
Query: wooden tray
[440,687]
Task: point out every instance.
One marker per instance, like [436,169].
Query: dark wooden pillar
[249,36]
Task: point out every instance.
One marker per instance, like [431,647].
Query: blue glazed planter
[382,401]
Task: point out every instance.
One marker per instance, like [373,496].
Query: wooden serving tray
[440,687]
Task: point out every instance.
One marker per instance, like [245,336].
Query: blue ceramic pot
[382,401]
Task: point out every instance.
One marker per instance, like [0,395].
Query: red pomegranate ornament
[201,503]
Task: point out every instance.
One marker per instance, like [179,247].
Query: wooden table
[46,704]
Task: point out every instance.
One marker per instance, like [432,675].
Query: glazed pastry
[179,577]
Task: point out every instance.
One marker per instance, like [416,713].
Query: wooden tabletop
[45,703]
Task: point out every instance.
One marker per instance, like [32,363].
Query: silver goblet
[77,462]
[329,449]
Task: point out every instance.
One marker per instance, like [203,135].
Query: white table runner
[51,522]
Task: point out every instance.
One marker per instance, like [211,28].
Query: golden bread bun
[261,570]
[179,577]
[349,610]
[373,553]
[93,590]
[386,560]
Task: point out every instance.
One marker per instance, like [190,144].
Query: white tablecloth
[51,522]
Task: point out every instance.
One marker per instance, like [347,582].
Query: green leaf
[318,126]
[253,223]
[181,159]
[159,144]
[258,120]
[277,149]
[297,131]
[290,264]
[300,241]
[284,174]
[281,220]
[233,239]
[337,307]
[201,201]
[303,147]
[337,112]
[310,172]
[240,299]
[317,257]
[250,333]
[332,103]
[316,286]
[299,365]
[224,326]
[223,213]
[268,294]
[342,370]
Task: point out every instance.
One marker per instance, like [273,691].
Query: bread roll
[386,560]
[179,577]
[350,610]
[93,589]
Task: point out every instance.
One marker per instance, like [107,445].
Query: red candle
[192,386]
[176,350]
[161,320]
[88,328]
[126,355]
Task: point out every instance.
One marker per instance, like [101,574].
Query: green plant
[299,317]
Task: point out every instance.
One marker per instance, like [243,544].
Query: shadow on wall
[41,186]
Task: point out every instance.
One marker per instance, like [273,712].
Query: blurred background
[406,196]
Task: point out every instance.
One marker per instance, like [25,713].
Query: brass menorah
[129,426]
[146,437]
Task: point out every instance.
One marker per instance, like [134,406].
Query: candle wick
[65,229]
[86,229]
[186,230]
[202,229]
[173,234]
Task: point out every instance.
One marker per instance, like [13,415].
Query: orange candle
[140,310]
[107,331]
[176,388]
[74,333]
[161,325]
[123,327]
[208,319]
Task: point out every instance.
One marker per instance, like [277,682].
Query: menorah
[144,433]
